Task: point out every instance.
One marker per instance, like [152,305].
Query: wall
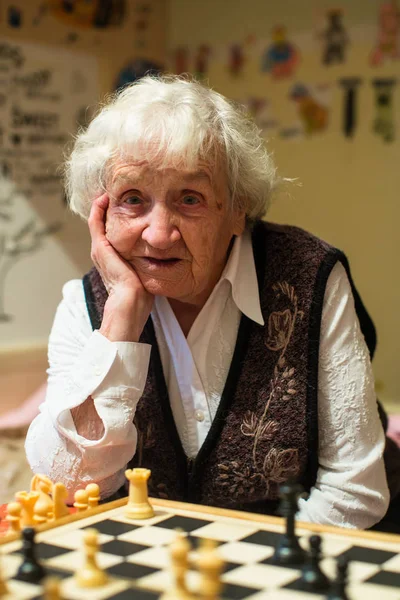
[33,285]
[346,188]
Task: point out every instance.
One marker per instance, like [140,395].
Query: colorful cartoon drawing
[260,110]
[313,114]
[383,124]
[201,60]
[388,43]
[136,69]
[14,15]
[236,59]
[181,60]
[281,58]
[89,13]
[336,39]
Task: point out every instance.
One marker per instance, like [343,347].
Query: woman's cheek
[119,234]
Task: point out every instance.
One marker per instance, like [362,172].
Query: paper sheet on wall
[46,94]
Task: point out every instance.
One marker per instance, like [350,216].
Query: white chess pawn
[138,506]
[40,513]
[93,491]
[81,499]
[210,565]
[90,575]
[179,553]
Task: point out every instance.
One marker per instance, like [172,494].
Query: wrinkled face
[173,226]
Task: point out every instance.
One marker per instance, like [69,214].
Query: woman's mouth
[150,263]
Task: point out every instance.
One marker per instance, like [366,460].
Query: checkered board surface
[135,554]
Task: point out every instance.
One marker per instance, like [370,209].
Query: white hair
[172,121]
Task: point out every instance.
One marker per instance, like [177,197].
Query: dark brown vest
[265,430]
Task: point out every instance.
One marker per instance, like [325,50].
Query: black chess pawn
[312,578]
[288,551]
[338,589]
[30,569]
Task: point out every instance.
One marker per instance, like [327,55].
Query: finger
[97,217]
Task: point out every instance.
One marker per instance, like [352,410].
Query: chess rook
[138,506]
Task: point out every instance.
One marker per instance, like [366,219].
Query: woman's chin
[170,289]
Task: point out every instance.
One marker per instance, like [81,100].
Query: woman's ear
[239,222]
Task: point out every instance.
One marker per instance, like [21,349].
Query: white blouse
[351,488]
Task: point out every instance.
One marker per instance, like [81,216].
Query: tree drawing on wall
[18,243]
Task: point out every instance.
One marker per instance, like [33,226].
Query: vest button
[199,415]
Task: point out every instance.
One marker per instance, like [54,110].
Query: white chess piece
[210,565]
[179,553]
[138,506]
[90,575]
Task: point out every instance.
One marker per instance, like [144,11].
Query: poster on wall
[44,98]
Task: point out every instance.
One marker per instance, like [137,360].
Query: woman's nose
[161,231]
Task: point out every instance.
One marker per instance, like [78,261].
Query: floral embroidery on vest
[278,464]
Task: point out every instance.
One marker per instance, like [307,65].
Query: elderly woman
[224,353]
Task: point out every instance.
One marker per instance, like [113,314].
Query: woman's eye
[190,200]
[132,200]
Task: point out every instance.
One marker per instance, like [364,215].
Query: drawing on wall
[89,13]
[44,98]
[388,42]
[350,87]
[260,110]
[335,37]
[180,60]
[14,16]
[281,57]
[135,69]
[312,106]
[201,60]
[16,244]
[142,23]
[236,59]
[41,11]
[383,124]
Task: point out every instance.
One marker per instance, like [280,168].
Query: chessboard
[135,554]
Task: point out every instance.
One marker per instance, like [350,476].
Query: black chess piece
[30,570]
[288,551]
[312,578]
[338,590]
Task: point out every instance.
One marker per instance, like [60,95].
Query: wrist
[119,323]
